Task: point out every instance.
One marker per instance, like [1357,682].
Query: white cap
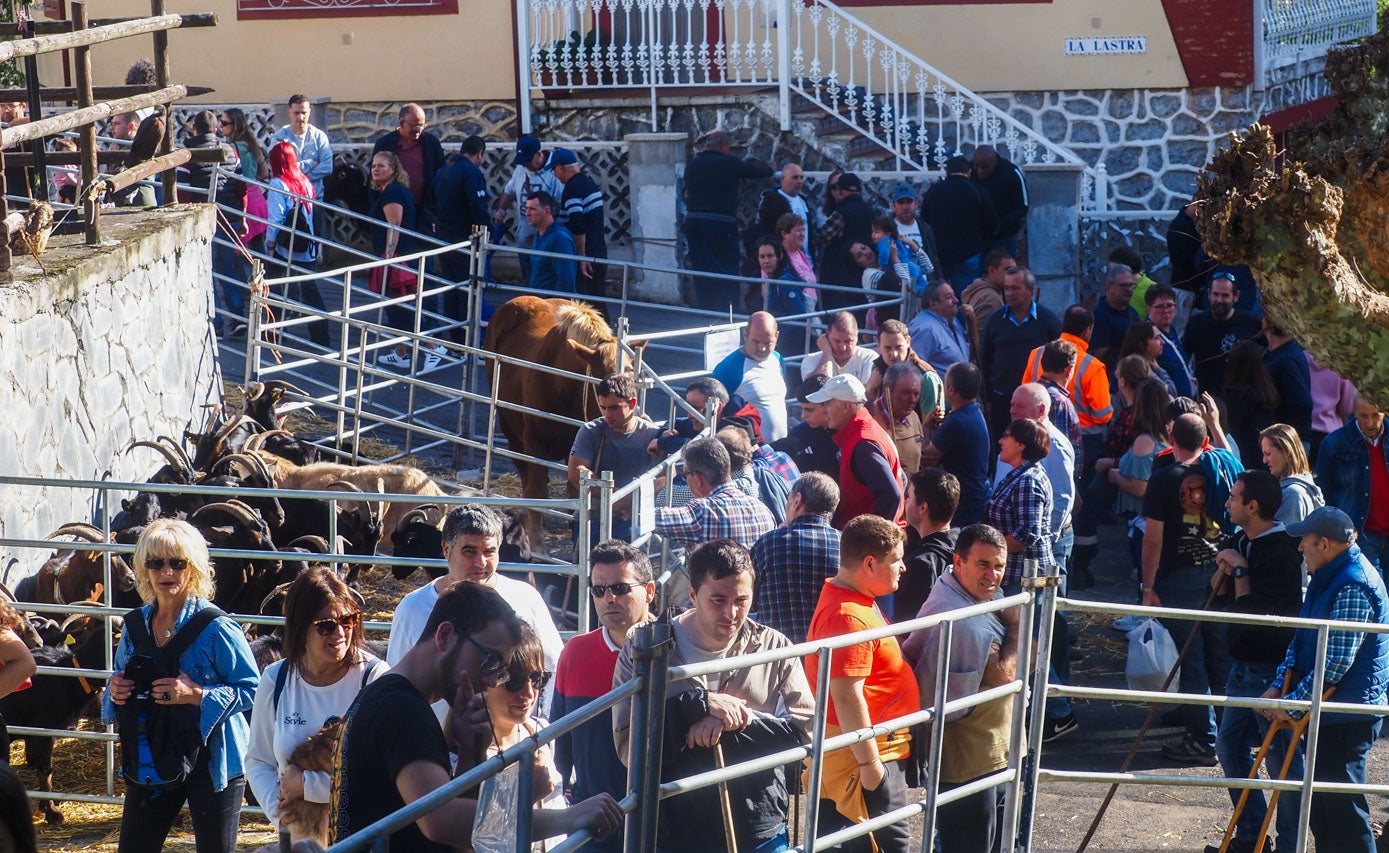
[844,387]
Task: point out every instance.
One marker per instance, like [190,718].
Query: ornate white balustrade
[1303,27]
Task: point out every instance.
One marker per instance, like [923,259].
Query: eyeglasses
[155,564]
[1162,306]
[492,668]
[517,682]
[347,621]
[599,590]
[225,123]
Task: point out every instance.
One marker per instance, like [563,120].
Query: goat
[388,479]
[70,575]
[420,535]
[346,187]
[55,701]
[219,438]
[263,397]
[285,444]
[240,582]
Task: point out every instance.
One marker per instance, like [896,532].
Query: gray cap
[1326,521]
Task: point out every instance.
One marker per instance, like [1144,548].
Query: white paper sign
[1106,45]
[644,513]
[717,345]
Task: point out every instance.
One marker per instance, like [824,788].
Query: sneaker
[1188,751]
[394,359]
[1125,624]
[1055,728]
[431,361]
[238,331]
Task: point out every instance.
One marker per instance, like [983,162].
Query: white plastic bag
[1152,654]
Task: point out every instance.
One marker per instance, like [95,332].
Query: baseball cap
[842,387]
[1326,521]
[563,157]
[850,181]
[810,386]
[902,192]
[526,149]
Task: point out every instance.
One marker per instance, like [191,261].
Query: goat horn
[282,588]
[71,620]
[227,464]
[411,517]
[253,390]
[431,509]
[228,428]
[174,461]
[80,530]
[236,509]
[343,486]
[316,544]
[257,441]
[182,452]
[282,386]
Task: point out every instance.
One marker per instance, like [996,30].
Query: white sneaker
[394,359]
[431,360]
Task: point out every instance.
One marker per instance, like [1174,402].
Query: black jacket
[961,216]
[1008,192]
[836,266]
[460,200]
[926,560]
[711,182]
[1275,587]
[433,160]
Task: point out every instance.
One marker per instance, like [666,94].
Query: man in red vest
[870,475]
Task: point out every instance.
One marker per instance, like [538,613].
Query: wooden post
[6,276]
[86,143]
[38,182]
[161,78]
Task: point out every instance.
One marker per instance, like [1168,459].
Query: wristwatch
[1240,572]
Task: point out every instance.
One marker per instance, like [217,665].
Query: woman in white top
[326,664]
[510,706]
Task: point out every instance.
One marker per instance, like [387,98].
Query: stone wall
[110,346]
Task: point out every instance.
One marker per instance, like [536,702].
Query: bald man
[756,372]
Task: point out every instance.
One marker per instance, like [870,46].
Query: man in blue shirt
[549,273]
[938,332]
[961,443]
[1113,315]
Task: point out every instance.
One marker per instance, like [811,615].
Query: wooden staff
[730,837]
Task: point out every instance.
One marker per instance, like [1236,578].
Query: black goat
[262,398]
[55,701]
[241,583]
[347,187]
[420,536]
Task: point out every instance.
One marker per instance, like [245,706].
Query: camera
[144,671]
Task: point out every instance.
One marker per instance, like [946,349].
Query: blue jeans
[1341,822]
[1205,669]
[1242,730]
[1060,671]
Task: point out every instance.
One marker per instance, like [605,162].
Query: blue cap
[903,191]
[1326,521]
[526,149]
[563,157]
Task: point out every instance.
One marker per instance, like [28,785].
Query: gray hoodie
[1300,497]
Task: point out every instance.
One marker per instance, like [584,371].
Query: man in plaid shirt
[720,510]
[794,560]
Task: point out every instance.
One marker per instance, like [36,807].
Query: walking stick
[725,807]
[1298,729]
[1143,731]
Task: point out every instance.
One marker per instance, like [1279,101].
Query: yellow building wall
[470,56]
[466,56]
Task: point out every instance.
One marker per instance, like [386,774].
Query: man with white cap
[870,475]
[1344,588]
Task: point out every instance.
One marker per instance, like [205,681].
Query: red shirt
[1377,519]
[412,161]
[889,688]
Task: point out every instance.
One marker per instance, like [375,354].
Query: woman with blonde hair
[393,208]
[1285,459]
[209,686]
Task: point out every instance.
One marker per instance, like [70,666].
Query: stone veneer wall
[112,345]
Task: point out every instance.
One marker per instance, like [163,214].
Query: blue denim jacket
[1343,472]
[220,660]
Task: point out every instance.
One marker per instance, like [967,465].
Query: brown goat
[389,479]
[70,576]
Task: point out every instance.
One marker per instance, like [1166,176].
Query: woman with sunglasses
[326,663]
[217,676]
[510,706]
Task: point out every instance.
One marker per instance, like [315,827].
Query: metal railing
[816,50]
[1298,29]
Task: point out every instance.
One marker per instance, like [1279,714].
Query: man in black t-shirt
[1179,549]
[1210,335]
[393,751]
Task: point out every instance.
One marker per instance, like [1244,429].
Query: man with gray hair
[794,560]
[1010,334]
[720,510]
[1113,314]
[938,331]
[421,156]
[894,409]
[472,538]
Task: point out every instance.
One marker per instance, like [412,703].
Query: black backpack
[160,744]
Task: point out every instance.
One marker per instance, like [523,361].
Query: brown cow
[558,333]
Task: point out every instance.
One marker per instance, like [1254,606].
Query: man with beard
[623,588]
[1210,335]
[747,712]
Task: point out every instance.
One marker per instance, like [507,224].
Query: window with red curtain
[252,10]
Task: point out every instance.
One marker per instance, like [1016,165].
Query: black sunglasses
[347,621]
[599,590]
[154,564]
[517,682]
[492,664]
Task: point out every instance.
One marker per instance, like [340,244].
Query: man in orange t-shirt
[870,682]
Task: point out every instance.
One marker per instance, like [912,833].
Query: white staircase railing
[810,48]
[1293,27]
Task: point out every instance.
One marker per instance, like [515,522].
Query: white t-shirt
[764,386]
[413,612]
[909,232]
[860,364]
[276,731]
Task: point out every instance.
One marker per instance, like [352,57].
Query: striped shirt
[582,203]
